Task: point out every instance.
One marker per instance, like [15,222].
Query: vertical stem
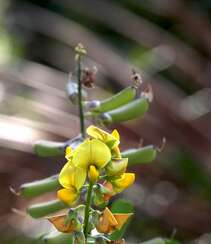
[80,102]
[87,209]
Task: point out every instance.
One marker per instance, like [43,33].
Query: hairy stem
[80,102]
[87,209]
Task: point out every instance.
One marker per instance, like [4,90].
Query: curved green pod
[132,110]
[39,187]
[45,148]
[141,155]
[123,97]
[72,91]
[40,210]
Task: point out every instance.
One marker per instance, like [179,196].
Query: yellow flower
[91,152]
[91,156]
[68,178]
[110,222]
[123,182]
[111,140]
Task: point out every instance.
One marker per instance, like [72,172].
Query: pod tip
[148,93]
[136,79]
[13,191]
[141,143]
[162,146]
[18,212]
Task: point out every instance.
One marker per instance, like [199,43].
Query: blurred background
[169,42]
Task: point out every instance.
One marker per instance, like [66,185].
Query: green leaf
[121,206]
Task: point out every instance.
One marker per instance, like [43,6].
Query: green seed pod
[42,209]
[140,155]
[46,148]
[39,187]
[72,91]
[123,97]
[132,110]
[58,237]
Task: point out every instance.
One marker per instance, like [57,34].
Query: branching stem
[80,102]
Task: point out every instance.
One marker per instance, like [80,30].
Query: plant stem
[87,209]
[80,102]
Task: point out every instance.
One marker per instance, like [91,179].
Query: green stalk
[80,102]
[87,209]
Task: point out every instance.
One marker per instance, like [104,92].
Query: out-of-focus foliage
[170,43]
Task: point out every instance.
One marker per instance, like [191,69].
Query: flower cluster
[98,157]
[96,162]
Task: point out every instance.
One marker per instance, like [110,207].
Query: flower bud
[106,118]
[102,195]
[95,217]
[116,167]
[79,238]
[121,241]
[100,240]
[92,104]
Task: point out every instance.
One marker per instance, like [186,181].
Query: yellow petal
[91,152]
[68,152]
[59,223]
[69,196]
[126,180]
[93,173]
[95,132]
[104,136]
[71,176]
[121,218]
[115,133]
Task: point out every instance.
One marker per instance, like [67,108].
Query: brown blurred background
[169,42]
